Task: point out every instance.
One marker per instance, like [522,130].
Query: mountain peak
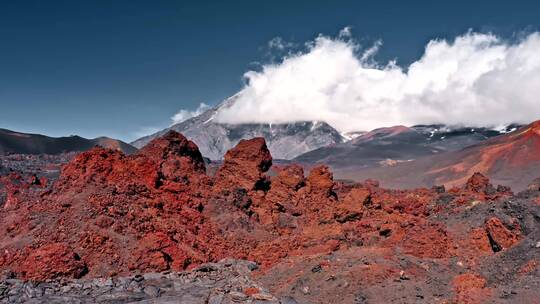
[284,140]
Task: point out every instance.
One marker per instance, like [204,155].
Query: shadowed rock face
[244,165]
[314,238]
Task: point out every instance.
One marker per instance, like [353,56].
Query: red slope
[512,159]
[509,157]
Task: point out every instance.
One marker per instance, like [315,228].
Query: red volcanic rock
[141,212]
[171,161]
[478,183]
[500,236]
[244,165]
[176,154]
[321,180]
[352,206]
[290,177]
[52,261]
[470,288]
[16,189]
[157,210]
[284,189]
[429,240]
[98,165]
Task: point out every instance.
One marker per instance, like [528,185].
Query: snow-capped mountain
[285,141]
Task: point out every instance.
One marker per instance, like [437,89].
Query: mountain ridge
[512,159]
[13,142]
[285,141]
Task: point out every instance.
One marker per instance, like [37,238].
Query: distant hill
[511,159]
[392,145]
[12,142]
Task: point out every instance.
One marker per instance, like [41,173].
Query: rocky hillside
[285,141]
[22,143]
[314,240]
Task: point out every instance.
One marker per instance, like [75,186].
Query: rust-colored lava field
[314,239]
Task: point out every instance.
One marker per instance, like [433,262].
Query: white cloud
[184,115]
[346,32]
[476,80]
[278,43]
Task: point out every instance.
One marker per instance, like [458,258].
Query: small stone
[537,245]
[252,266]
[206,268]
[317,268]
[104,282]
[238,296]
[215,299]
[65,289]
[403,276]
[152,291]
[262,296]
[288,300]
[152,276]
[305,290]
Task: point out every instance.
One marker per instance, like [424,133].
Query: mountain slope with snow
[285,141]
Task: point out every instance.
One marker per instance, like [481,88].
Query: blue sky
[116,67]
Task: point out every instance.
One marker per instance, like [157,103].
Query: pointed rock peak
[245,164]
[173,144]
[478,183]
[253,152]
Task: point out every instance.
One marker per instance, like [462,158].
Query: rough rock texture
[244,165]
[314,239]
[225,282]
[52,261]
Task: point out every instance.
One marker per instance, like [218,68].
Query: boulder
[244,166]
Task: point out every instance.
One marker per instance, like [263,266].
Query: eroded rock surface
[316,239]
[228,281]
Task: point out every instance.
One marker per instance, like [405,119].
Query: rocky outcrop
[500,236]
[121,213]
[244,165]
[479,183]
[111,215]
